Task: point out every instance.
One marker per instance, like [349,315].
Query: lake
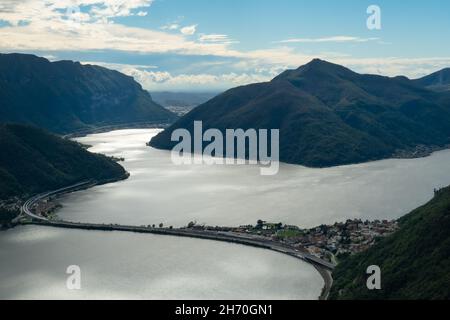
[118,265]
[159,191]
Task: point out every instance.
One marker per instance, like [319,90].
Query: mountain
[65,96]
[33,160]
[438,81]
[414,261]
[329,115]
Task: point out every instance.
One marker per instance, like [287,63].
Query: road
[28,205]
[323,267]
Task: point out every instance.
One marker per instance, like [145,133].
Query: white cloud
[172,26]
[328,39]
[166,81]
[118,66]
[58,35]
[160,80]
[395,66]
[189,30]
[153,80]
[213,37]
[142,13]
[32,11]
[44,25]
[104,9]
[216,38]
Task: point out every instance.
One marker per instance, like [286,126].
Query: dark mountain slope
[33,161]
[65,96]
[438,81]
[329,115]
[414,261]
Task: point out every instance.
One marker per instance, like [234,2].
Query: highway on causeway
[323,267]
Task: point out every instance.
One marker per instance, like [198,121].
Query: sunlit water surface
[119,265]
[134,266]
[159,191]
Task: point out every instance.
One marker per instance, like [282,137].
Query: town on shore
[327,242]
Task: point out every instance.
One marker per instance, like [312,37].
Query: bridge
[27,207]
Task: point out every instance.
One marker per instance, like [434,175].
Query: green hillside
[33,161]
[414,261]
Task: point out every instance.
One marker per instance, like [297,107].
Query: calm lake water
[134,266]
[119,265]
[159,191]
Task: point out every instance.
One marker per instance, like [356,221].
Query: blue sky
[206,45]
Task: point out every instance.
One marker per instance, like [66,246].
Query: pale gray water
[33,262]
[121,265]
[159,191]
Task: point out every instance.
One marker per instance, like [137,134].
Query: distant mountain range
[414,261]
[182,99]
[181,102]
[65,96]
[329,115]
[34,161]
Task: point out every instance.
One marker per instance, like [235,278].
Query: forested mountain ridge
[329,115]
[414,261]
[66,96]
[33,161]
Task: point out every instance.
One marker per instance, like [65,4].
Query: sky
[213,45]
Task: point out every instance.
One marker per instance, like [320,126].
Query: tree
[259,224]
[191,224]
[161,225]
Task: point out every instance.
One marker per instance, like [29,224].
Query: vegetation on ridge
[414,261]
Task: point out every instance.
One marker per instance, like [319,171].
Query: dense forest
[33,160]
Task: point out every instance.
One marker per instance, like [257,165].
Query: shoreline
[324,272]
[322,267]
[418,152]
[83,185]
[415,152]
[116,127]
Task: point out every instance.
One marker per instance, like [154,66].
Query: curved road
[28,205]
[322,266]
